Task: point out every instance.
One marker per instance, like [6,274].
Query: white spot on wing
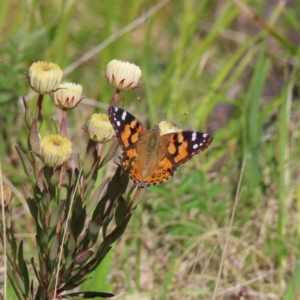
[195,146]
[194,136]
[124,115]
[204,135]
[118,123]
[116,109]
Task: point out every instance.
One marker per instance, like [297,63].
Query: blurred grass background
[234,67]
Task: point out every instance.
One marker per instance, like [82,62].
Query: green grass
[239,80]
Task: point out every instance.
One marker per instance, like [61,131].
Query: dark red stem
[39,106]
[115,98]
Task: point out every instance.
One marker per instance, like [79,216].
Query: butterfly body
[149,157]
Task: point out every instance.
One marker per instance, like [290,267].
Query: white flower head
[123,76]
[67,96]
[44,77]
[100,130]
[55,150]
[166,127]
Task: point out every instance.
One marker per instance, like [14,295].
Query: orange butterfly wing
[150,158]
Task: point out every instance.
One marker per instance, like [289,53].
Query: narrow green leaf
[77,206]
[254,126]
[94,227]
[12,243]
[88,295]
[104,248]
[41,293]
[30,200]
[70,243]
[109,216]
[97,195]
[32,290]
[54,248]
[91,159]
[121,211]
[99,209]
[19,282]
[118,184]
[66,271]
[37,274]
[91,179]
[41,180]
[43,269]
[28,115]
[26,192]
[119,230]
[98,261]
[55,215]
[53,126]
[72,286]
[83,257]
[110,153]
[33,138]
[100,275]
[55,178]
[13,282]
[27,165]
[77,223]
[9,251]
[79,276]
[51,283]
[23,268]
[45,203]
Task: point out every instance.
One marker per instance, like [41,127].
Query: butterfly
[149,157]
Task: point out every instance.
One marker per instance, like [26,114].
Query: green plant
[72,209]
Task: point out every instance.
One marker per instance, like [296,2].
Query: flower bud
[55,150]
[44,77]
[67,96]
[166,127]
[123,76]
[100,129]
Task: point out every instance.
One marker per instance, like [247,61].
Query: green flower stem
[48,171]
[101,150]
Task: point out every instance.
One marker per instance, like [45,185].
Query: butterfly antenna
[175,120]
[186,113]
